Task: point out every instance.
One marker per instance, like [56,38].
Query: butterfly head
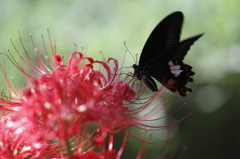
[137,71]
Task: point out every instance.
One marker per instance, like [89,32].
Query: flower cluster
[69,111]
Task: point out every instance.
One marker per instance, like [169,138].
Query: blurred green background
[212,131]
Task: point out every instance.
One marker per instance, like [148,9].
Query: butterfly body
[162,57]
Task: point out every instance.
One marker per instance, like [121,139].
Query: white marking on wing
[175,67]
[176,72]
[170,63]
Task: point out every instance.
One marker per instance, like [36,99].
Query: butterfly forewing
[166,34]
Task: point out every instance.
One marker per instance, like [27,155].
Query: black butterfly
[162,57]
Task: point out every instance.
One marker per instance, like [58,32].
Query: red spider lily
[71,110]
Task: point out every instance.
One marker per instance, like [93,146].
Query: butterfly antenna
[136,58]
[129,51]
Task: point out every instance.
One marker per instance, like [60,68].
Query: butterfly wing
[166,34]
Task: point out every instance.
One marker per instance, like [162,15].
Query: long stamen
[46,52]
[51,45]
